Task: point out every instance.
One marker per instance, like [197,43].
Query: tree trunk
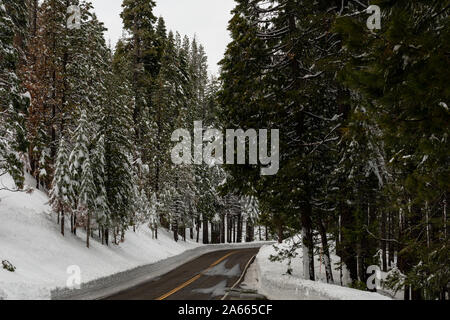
[198,229]
[88,229]
[75,224]
[249,231]
[234,228]
[280,233]
[406,295]
[107,236]
[205,230]
[175,231]
[326,252]
[307,245]
[383,242]
[239,228]
[62,222]
[222,229]
[390,245]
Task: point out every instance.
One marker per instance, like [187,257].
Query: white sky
[206,19]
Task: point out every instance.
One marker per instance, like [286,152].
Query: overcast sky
[207,19]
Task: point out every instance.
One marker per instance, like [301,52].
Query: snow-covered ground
[31,241]
[271,279]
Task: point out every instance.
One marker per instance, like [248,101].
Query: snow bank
[270,279]
[31,241]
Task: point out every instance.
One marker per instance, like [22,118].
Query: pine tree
[87,196]
[398,70]
[13,99]
[77,159]
[60,194]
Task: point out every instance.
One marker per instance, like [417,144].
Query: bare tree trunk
[198,229]
[326,252]
[234,229]
[107,236]
[406,295]
[175,230]
[222,229]
[239,228]
[280,233]
[307,245]
[249,231]
[205,230]
[75,224]
[383,242]
[88,228]
[390,236]
[62,222]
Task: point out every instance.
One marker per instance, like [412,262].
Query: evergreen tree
[398,72]
[60,196]
[87,197]
[13,99]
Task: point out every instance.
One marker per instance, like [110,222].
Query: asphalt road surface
[205,278]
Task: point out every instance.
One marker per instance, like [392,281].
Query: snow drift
[270,279]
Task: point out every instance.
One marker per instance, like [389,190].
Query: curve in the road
[204,278]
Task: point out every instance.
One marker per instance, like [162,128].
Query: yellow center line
[168,294]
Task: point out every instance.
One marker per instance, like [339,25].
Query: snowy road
[204,278]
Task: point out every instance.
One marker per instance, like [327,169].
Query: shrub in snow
[8,266]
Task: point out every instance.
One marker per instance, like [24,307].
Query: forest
[362,114]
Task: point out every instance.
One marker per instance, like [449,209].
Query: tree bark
[239,228]
[198,229]
[326,252]
[175,231]
[307,245]
[62,222]
[383,242]
[205,230]
[222,229]
[88,228]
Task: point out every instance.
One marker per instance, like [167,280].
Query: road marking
[240,279]
[168,294]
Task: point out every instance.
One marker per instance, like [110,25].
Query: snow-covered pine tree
[60,197]
[98,161]
[87,196]
[115,125]
[13,99]
[77,159]
[398,72]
